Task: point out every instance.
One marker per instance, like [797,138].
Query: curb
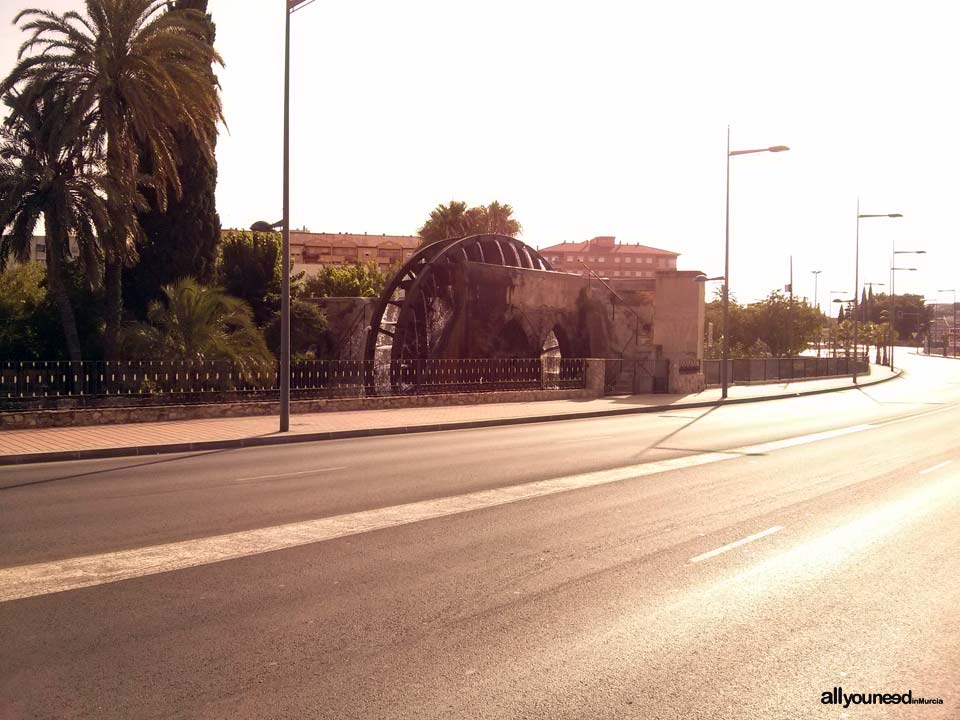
[101,453]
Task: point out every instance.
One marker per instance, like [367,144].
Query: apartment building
[312,251]
[610,259]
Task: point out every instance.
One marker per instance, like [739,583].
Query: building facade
[312,251]
[610,259]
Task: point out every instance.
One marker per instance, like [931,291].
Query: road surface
[736,562]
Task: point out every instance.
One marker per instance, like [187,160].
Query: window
[628,259]
[649,261]
[41,248]
[601,259]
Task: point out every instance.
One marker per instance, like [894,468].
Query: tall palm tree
[141,73]
[457,220]
[498,219]
[447,221]
[47,172]
[195,323]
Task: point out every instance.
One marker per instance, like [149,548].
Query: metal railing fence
[746,370]
[38,384]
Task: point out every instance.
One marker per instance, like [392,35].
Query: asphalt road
[725,563]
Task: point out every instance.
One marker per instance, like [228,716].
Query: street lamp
[954,329]
[724,375]
[893,293]
[816,295]
[290,7]
[856,280]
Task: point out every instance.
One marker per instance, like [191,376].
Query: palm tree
[195,323]
[139,73]
[498,219]
[447,221]
[457,220]
[46,172]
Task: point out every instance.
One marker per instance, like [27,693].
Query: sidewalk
[55,444]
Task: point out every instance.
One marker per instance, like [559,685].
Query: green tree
[137,73]
[360,280]
[457,220]
[308,330]
[196,323]
[22,295]
[47,172]
[773,326]
[181,239]
[250,269]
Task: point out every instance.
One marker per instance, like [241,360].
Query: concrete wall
[678,325]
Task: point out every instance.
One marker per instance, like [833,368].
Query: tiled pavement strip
[30,445]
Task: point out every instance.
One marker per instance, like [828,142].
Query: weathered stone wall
[678,326]
[348,319]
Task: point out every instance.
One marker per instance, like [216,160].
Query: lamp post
[954,328]
[724,375]
[856,281]
[290,7]
[816,302]
[816,295]
[704,279]
[893,294]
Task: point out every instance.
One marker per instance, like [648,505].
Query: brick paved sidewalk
[183,435]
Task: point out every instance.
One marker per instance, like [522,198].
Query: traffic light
[899,314]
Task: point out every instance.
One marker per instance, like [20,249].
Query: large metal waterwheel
[417,306]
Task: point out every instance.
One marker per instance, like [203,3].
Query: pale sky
[607,118]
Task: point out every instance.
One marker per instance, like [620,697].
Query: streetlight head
[264,226]
[778,148]
[894,215]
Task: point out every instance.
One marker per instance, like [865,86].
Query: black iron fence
[40,384]
[746,370]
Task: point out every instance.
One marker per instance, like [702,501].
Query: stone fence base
[20,420]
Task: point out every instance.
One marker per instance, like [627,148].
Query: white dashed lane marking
[74,573]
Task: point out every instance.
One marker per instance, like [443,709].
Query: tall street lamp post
[291,7]
[893,293]
[856,282]
[816,302]
[724,375]
[954,328]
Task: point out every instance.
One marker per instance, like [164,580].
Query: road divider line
[738,543]
[290,474]
[74,573]
[936,467]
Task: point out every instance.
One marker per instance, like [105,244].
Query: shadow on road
[131,466]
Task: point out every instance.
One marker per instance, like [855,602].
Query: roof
[618,248]
[306,239]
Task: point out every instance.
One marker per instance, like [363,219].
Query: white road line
[583,439]
[738,543]
[74,573]
[290,474]
[936,467]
